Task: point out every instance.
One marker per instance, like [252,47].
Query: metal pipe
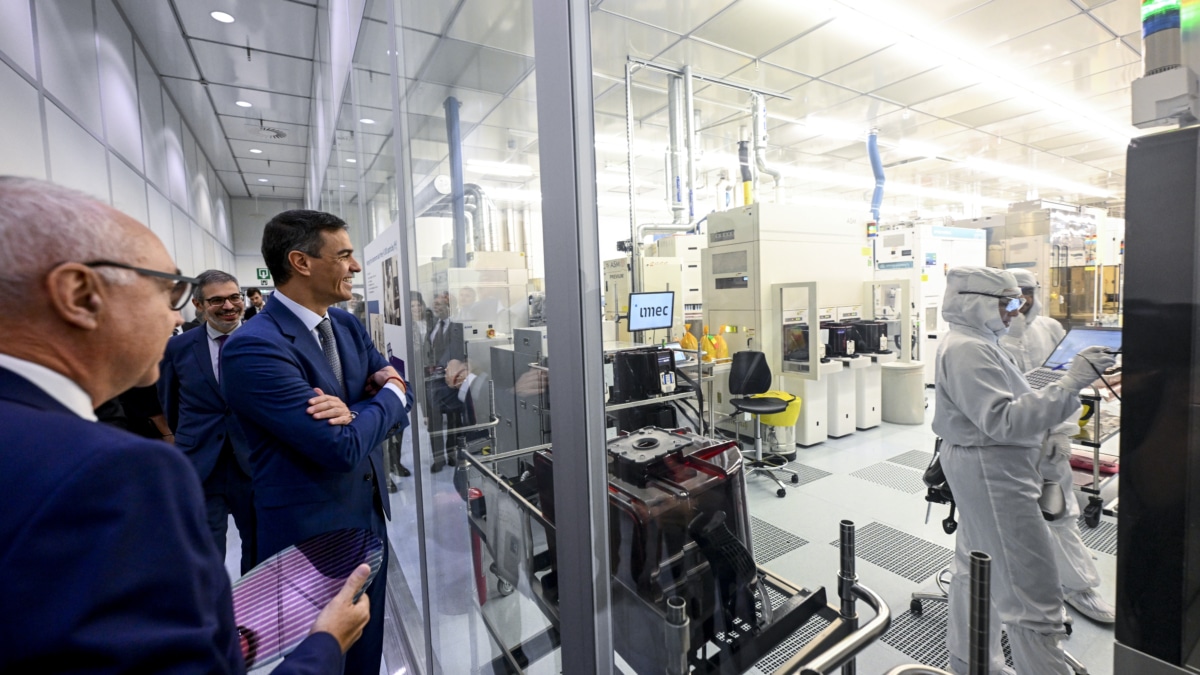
[454,139]
[704,78]
[877,170]
[678,637]
[847,578]
[846,648]
[978,626]
[760,143]
[689,109]
[675,137]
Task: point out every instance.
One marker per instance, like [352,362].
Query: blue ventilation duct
[877,169]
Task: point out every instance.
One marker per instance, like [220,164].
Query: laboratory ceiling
[977,103]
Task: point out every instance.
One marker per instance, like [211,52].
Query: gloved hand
[1016,327]
[1059,445]
[1087,367]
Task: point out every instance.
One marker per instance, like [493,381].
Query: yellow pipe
[747,193]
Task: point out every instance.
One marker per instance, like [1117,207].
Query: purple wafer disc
[276,603]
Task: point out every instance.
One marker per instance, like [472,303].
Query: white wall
[248,216]
[99,120]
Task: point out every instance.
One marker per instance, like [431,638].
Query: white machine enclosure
[658,274]
[687,248]
[753,248]
[924,253]
[501,294]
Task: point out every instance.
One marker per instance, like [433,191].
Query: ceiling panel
[159,33]
[1108,81]
[646,100]
[515,114]
[229,65]
[275,192]
[862,111]
[758,26]
[271,106]
[829,47]
[624,38]
[1122,17]
[1023,124]
[239,128]
[902,60]
[962,100]
[272,151]
[1102,57]
[423,15]
[704,58]
[372,89]
[766,77]
[372,52]
[428,99]
[1054,41]
[677,17]
[811,97]
[996,112]
[927,85]
[269,168]
[256,24]
[927,12]
[500,24]
[996,22]
[463,64]
[417,48]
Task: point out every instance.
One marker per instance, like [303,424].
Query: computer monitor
[1079,338]
[651,311]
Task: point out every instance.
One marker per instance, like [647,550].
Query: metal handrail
[846,648]
[463,430]
[916,669]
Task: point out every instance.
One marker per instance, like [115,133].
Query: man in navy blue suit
[102,533]
[202,423]
[312,475]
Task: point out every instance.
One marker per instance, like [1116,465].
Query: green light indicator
[1152,7]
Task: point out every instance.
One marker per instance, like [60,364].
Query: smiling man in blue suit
[102,532]
[201,422]
[300,359]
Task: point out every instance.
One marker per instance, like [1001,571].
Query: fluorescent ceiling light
[255,151]
[351,160]
[341,186]
[367,120]
[222,17]
[243,104]
[262,180]
[499,168]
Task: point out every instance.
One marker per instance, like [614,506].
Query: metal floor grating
[892,476]
[788,648]
[898,552]
[923,638]
[770,542]
[807,473]
[915,459]
[1102,538]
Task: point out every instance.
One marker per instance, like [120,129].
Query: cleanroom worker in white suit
[1030,340]
[993,428]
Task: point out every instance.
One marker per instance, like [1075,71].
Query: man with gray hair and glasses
[105,531]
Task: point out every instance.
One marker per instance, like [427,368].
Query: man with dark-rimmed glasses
[104,529]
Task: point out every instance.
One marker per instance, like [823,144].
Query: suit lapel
[308,346]
[204,358]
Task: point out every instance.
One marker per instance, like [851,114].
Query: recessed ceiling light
[262,180]
[341,186]
[351,160]
[367,120]
[222,17]
[255,151]
[243,104]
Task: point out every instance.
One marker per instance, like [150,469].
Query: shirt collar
[55,384]
[309,318]
[213,333]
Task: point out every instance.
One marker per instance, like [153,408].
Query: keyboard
[1039,378]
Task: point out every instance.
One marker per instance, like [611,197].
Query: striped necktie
[329,346]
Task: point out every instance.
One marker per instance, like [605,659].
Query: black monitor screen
[651,311]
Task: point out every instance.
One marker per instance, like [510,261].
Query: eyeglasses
[216,303]
[181,290]
[1011,304]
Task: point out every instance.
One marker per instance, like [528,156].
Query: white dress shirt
[310,319]
[56,385]
[214,347]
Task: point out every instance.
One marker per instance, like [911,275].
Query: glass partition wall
[473,210]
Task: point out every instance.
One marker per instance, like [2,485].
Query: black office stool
[749,375]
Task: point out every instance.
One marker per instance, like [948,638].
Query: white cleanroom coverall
[1030,340]
[993,426]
